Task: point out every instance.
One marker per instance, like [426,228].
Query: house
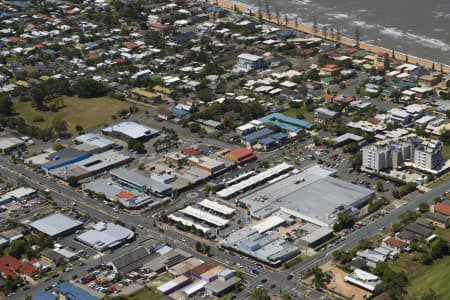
[247,62]
[419,230]
[438,219]
[442,208]
[394,244]
[323,115]
[365,280]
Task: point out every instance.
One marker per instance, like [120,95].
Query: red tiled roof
[392,241]
[241,153]
[191,151]
[442,208]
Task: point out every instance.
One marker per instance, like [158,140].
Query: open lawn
[423,277]
[432,277]
[144,294]
[89,113]
[294,112]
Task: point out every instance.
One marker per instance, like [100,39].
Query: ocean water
[415,27]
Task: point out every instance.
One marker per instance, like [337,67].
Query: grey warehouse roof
[311,195]
[105,235]
[55,224]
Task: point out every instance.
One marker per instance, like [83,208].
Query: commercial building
[194,288]
[260,246]
[71,292]
[173,285]
[204,216]
[365,280]
[286,123]
[128,131]
[217,208]
[272,141]
[56,225]
[64,157]
[8,144]
[253,181]
[311,195]
[19,194]
[186,266]
[130,261]
[220,287]
[316,237]
[93,143]
[105,236]
[240,156]
[212,166]
[140,182]
[91,166]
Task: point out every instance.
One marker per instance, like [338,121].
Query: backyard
[89,113]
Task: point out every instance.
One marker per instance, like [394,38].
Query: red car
[271,286]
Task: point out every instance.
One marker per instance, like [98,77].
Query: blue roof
[276,137]
[279,136]
[254,136]
[179,112]
[72,292]
[44,296]
[215,9]
[286,123]
[20,4]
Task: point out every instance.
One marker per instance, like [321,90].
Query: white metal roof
[269,223]
[205,216]
[217,207]
[253,180]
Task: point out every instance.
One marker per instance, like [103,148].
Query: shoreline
[230,5]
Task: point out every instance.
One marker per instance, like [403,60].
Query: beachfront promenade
[231,5]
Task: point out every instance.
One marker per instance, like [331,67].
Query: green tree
[394,284]
[17,248]
[424,207]
[380,186]
[260,294]
[60,126]
[439,249]
[72,181]
[319,278]
[90,88]
[6,106]
[344,221]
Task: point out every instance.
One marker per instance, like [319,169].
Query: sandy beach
[231,5]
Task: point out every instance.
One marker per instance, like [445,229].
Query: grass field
[293,112]
[432,277]
[89,113]
[144,294]
[423,277]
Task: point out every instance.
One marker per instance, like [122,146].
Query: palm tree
[314,27]
[277,14]
[266,2]
[357,36]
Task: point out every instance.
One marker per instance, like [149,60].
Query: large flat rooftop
[312,195]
